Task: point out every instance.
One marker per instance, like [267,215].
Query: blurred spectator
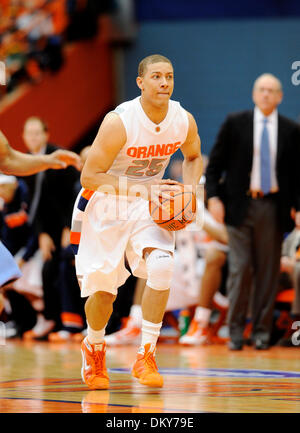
[15,230]
[52,194]
[83,16]
[290,271]
[16,162]
[43,24]
[212,242]
[55,36]
[13,50]
[18,238]
[253,179]
[32,36]
[71,303]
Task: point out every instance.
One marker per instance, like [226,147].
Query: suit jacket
[291,244]
[229,169]
[54,210]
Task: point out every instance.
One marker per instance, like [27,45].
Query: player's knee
[102,297]
[160,266]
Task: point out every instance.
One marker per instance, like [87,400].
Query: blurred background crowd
[33,33]
[67,63]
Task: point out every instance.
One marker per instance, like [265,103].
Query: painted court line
[217,372]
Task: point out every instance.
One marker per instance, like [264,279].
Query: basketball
[176,213]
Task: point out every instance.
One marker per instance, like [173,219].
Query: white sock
[150,334]
[42,325]
[136,315]
[202,315]
[221,300]
[94,336]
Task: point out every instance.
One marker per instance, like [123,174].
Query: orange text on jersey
[153,150]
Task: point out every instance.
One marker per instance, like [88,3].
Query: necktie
[265,162]
[36,196]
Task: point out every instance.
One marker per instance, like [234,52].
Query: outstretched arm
[21,164]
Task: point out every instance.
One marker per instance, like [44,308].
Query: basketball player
[21,164]
[134,143]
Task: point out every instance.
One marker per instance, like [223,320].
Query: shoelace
[193,327]
[150,361]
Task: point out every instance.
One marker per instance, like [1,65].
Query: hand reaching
[63,158]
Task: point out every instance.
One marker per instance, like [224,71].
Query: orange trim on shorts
[87,194]
[286,296]
[71,318]
[75,237]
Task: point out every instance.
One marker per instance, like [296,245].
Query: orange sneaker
[196,335]
[128,334]
[93,371]
[77,337]
[41,329]
[59,336]
[145,368]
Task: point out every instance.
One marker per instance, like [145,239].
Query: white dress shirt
[272,126]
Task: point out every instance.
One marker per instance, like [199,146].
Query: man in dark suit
[253,181]
[50,212]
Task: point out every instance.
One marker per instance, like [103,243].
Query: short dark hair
[154,58]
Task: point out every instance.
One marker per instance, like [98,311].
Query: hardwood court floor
[45,377]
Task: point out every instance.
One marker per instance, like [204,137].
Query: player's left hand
[164,190]
[63,158]
[167,186]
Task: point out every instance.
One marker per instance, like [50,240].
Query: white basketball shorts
[109,228]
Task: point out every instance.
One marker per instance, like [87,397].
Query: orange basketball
[176,213]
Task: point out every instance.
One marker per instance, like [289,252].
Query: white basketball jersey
[149,146]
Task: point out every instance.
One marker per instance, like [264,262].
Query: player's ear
[139,82]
